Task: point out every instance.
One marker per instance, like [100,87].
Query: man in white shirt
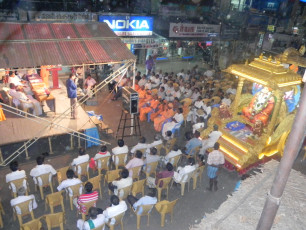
[89,84]
[142,81]
[22,198]
[169,92]
[152,157]
[176,119]
[117,207]
[214,161]
[213,137]
[145,200]
[181,74]
[161,93]
[155,81]
[125,181]
[14,79]
[69,182]
[41,169]
[103,153]
[157,141]
[173,153]
[120,149]
[140,145]
[82,158]
[95,220]
[15,175]
[200,124]
[187,92]
[226,100]
[181,174]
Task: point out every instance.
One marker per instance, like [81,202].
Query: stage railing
[58,119]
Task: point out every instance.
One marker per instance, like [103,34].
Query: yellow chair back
[124,192]
[18,184]
[112,175]
[32,225]
[55,220]
[121,160]
[55,199]
[61,174]
[138,187]
[136,172]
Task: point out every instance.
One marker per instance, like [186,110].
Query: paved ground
[189,210]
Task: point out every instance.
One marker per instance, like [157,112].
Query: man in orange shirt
[158,121]
[148,107]
[44,74]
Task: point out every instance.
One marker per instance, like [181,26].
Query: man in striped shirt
[88,196]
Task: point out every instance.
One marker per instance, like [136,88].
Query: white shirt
[80,160]
[139,146]
[226,101]
[197,126]
[145,200]
[14,176]
[83,225]
[119,150]
[172,154]
[142,82]
[213,137]
[115,210]
[179,176]
[215,158]
[199,104]
[232,91]
[207,110]
[177,94]
[69,182]
[178,117]
[40,170]
[98,156]
[90,82]
[188,93]
[195,96]
[20,199]
[15,80]
[122,183]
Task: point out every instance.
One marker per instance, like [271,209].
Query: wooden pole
[79,141]
[26,151]
[293,145]
[71,142]
[50,145]
[1,156]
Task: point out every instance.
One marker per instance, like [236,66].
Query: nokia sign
[129,25]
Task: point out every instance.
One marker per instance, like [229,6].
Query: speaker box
[130,100]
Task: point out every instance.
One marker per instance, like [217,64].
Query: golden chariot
[244,150]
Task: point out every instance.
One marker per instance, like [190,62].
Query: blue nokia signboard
[129,25]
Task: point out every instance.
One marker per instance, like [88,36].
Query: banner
[60,16]
[129,25]
[193,30]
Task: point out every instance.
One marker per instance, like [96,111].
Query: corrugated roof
[11,31]
[37,31]
[26,45]
[14,53]
[63,30]
[78,56]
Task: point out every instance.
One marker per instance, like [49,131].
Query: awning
[26,45]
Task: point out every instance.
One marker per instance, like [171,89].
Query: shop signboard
[129,25]
[60,16]
[193,30]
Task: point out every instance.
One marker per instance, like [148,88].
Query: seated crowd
[167,100]
[88,194]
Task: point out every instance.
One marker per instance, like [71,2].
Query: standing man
[71,85]
[215,160]
[149,65]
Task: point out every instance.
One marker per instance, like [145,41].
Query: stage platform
[19,129]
